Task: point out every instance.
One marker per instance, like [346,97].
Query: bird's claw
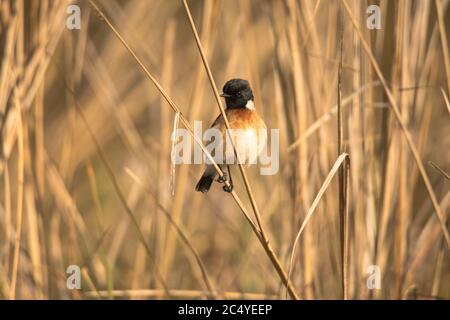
[228,188]
[222,179]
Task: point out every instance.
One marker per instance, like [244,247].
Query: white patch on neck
[250,105]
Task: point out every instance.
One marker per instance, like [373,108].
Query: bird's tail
[205,181]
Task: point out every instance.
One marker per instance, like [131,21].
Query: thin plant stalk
[336,166]
[403,127]
[264,239]
[19,208]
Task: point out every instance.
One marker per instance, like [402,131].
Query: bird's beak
[224,95]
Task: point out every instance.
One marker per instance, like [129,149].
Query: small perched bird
[249,132]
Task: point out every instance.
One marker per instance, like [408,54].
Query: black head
[237,93]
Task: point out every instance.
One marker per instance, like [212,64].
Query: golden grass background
[59,206]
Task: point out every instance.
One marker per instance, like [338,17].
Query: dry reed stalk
[327,116]
[222,111]
[342,169]
[439,169]
[266,245]
[262,234]
[249,39]
[131,215]
[300,115]
[95,195]
[166,235]
[182,118]
[34,243]
[67,209]
[196,104]
[208,17]
[444,43]
[158,86]
[399,75]
[310,24]
[439,270]
[98,76]
[403,127]
[447,102]
[294,66]
[93,288]
[346,228]
[6,248]
[338,164]
[355,148]
[428,237]
[117,188]
[39,114]
[139,275]
[122,198]
[5,87]
[179,229]
[38,62]
[177,293]
[176,120]
[19,195]
[64,199]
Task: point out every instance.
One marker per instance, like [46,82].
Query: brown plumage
[239,119]
[248,131]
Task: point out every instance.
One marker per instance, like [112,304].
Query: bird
[248,133]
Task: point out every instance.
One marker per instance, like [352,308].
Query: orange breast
[250,135]
[240,119]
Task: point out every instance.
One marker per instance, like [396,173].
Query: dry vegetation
[85,172]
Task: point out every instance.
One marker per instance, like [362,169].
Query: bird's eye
[239,94]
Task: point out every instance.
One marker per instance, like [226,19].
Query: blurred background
[62,193]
